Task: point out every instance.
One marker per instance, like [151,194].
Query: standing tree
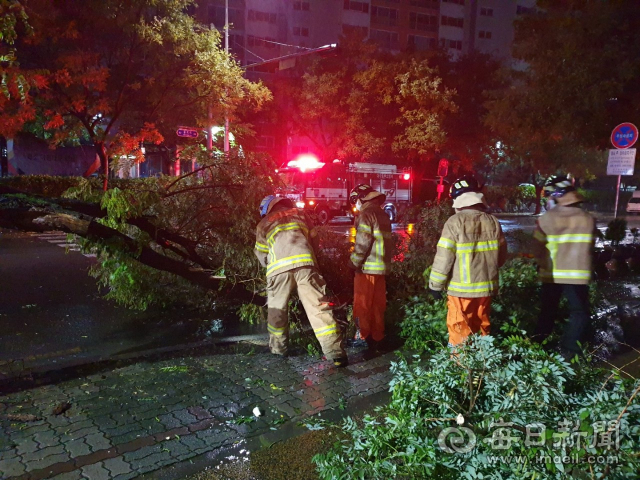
[366,105]
[16,85]
[578,78]
[362,104]
[120,73]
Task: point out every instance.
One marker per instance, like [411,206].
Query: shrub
[424,324]
[471,416]
[416,251]
[46,185]
[56,187]
[517,304]
[520,242]
[616,231]
[510,198]
[333,261]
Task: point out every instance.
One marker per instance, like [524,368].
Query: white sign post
[621,162]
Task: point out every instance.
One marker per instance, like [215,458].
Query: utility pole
[210,115]
[226,50]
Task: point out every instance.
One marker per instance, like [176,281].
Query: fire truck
[323,189]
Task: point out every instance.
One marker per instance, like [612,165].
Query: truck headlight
[300,204]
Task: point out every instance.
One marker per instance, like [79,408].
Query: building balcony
[384,21]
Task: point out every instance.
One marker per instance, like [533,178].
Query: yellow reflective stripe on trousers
[446,243]
[324,331]
[284,227]
[571,238]
[278,331]
[285,262]
[261,247]
[566,274]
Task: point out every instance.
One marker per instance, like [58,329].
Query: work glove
[435,294]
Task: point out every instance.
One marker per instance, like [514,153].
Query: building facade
[267,29]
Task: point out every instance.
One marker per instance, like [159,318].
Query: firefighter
[285,244]
[563,247]
[371,260]
[469,254]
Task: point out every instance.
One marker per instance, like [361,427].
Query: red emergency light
[306,162]
[406,176]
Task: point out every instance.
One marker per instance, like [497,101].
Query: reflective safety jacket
[563,244]
[374,245]
[470,252]
[284,241]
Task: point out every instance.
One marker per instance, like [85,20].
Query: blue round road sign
[624,135]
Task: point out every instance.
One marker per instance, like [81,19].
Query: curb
[29,373]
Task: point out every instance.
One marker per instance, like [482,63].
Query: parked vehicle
[323,189]
[634,203]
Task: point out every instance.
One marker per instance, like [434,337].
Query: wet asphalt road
[51,309]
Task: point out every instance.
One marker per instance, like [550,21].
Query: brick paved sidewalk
[146,416]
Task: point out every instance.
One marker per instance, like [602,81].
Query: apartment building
[266,29]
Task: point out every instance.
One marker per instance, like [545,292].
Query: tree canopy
[362,104]
[577,78]
[123,73]
[16,85]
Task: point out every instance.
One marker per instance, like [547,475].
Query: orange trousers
[369,304]
[466,316]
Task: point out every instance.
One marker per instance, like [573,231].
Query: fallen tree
[155,236]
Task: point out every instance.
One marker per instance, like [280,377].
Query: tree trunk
[104,163]
[538,199]
[145,255]
[191,266]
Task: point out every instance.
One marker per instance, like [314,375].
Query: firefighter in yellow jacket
[371,259]
[563,248]
[284,241]
[469,254]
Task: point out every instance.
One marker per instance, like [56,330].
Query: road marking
[62,240]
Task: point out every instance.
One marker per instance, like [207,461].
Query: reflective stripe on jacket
[563,245]
[470,252]
[283,241]
[374,245]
